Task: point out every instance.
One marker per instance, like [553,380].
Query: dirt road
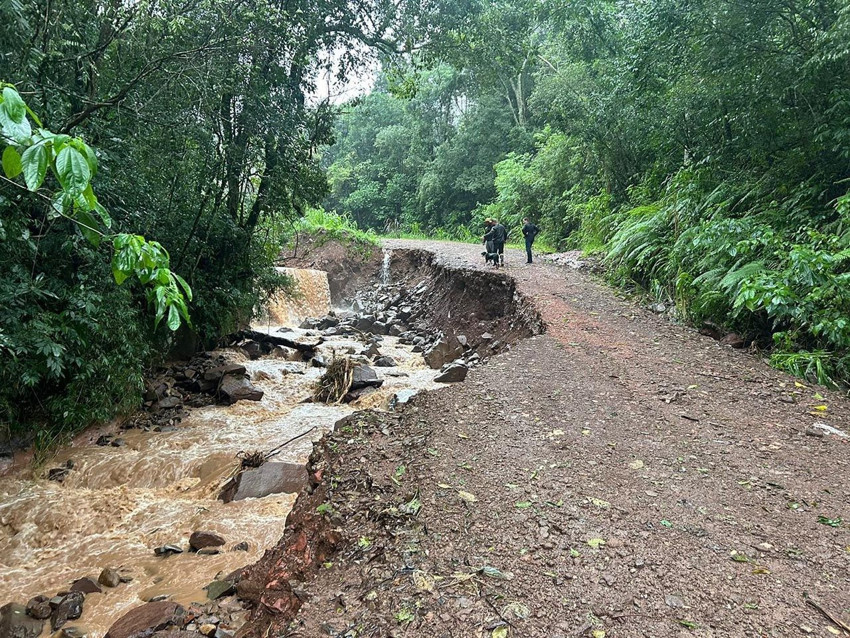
[617,476]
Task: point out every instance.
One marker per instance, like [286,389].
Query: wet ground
[617,476]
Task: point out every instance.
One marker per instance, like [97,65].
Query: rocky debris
[576,260]
[39,607]
[168,550]
[318,362]
[234,388]
[201,540]
[453,373]
[86,585]
[240,547]
[144,621]
[70,632]
[216,374]
[16,623]
[385,362]
[58,474]
[66,607]
[272,477]
[109,577]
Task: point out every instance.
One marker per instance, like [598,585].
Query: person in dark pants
[529,231]
[500,237]
[489,253]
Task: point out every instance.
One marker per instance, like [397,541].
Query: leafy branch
[33,155]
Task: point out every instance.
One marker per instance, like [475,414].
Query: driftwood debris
[308,347]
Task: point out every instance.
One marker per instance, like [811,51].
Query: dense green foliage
[705,147]
[205,139]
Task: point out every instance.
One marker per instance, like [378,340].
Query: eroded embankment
[351,518]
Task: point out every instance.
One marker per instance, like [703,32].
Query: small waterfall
[385,267]
[312,298]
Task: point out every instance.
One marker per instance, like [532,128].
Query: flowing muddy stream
[118,504]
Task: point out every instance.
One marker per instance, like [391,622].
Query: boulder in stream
[109,577]
[235,389]
[69,607]
[39,608]
[270,478]
[168,550]
[16,623]
[86,585]
[219,588]
[202,540]
[385,362]
[363,376]
[144,621]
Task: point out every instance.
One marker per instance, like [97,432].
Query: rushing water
[385,267]
[118,504]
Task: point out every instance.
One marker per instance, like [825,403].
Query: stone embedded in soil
[70,608]
[15,623]
[86,585]
[109,577]
[734,340]
[453,373]
[202,539]
[235,389]
[270,478]
[385,362]
[363,376]
[39,607]
[219,588]
[147,619]
[167,550]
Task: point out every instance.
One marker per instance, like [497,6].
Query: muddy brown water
[118,504]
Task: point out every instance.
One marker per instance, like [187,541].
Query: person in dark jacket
[500,237]
[489,253]
[529,231]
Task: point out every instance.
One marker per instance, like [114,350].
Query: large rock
[109,577]
[453,373]
[201,540]
[270,478]
[86,585]
[69,607]
[235,389]
[385,362]
[39,608]
[219,588]
[15,623]
[442,352]
[214,374]
[363,376]
[144,621]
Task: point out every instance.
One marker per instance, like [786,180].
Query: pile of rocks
[27,621]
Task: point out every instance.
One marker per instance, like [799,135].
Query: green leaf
[173,319]
[14,105]
[88,227]
[73,170]
[186,289]
[20,131]
[104,214]
[34,163]
[12,162]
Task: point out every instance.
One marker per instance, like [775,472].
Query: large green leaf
[34,163]
[14,105]
[173,319]
[20,132]
[12,162]
[73,170]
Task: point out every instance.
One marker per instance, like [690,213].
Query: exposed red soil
[697,465]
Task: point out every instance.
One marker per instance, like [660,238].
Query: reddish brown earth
[697,465]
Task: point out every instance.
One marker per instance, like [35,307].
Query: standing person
[529,231]
[500,237]
[489,245]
